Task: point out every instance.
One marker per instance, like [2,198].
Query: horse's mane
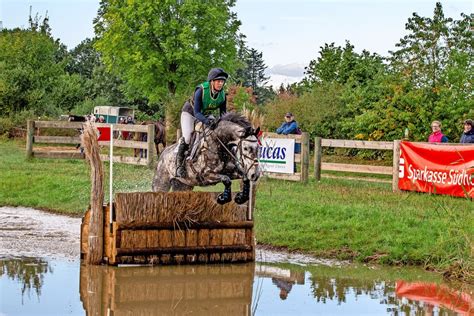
[236,118]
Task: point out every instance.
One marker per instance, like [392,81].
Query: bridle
[239,163]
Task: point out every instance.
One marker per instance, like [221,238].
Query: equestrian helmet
[216,74]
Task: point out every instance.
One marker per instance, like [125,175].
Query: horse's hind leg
[161,179]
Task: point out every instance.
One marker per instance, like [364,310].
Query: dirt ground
[26,232]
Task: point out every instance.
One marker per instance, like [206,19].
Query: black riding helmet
[217,73]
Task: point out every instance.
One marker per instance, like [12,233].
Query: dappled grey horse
[226,153]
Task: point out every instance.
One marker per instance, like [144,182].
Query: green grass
[366,221]
[333,218]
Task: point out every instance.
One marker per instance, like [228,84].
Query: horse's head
[238,134]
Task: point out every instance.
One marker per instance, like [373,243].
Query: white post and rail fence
[57,146]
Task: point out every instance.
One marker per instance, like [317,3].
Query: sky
[287,32]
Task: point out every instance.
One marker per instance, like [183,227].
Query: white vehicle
[113,114]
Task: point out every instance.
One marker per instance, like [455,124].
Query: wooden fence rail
[33,138]
[319,143]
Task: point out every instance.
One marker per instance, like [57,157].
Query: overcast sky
[288,32]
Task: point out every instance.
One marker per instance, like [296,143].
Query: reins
[239,164]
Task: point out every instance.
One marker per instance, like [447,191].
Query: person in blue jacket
[467,136]
[289,126]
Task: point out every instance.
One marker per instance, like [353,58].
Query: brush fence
[174,228]
[170,290]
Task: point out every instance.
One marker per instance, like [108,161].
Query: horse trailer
[113,114]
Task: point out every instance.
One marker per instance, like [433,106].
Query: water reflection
[243,289]
[198,289]
[431,296]
[29,272]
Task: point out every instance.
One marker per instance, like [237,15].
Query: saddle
[196,137]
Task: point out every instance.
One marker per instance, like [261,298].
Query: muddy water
[43,277]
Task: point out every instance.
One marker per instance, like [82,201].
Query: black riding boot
[180,160]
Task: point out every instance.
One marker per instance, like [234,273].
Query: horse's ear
[248,131]
[257,131]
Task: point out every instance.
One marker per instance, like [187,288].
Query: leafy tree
[161,47]
[83,59]
[30,76]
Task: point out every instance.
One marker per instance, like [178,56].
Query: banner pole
[111,163]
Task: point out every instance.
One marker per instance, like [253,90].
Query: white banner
[277,155]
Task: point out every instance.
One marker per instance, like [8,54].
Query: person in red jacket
[437,136]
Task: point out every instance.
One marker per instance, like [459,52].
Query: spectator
[467,136]
[101,119]
[437,136]
[284,286]
[289,126]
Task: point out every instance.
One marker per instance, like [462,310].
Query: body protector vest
[211,105]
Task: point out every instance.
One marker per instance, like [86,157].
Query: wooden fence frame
[319,143]
[33,138]
[302,159]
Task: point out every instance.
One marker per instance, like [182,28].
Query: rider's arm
[198,107]
[223,107]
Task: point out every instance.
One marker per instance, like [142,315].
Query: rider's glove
[212,123]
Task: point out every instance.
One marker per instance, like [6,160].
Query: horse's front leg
[226,196]
[242,197]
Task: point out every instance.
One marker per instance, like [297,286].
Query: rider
[208,102]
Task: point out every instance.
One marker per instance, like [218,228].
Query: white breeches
[187,126]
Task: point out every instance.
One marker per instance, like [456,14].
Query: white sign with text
[277,155]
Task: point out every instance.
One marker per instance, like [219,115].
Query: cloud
[276,80]
[295,70]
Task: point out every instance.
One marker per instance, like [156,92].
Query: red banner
[104,134]
[434,168]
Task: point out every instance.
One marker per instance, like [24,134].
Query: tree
[83,59]
[251,73]
[161,47]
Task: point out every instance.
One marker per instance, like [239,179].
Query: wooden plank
[396,166]
[58,139]
[359,144]
[305,157]
[151,145]
[124,159]
[181,250]
[29,138]
[297,158]
[125,143]
[78,125]
[284,176]
[58,124]
[356,168]
[58,154]
[190,225]
[318,152]
[298,138]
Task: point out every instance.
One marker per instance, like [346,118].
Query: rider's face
[217,84]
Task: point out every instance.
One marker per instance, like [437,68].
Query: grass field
[339,218]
